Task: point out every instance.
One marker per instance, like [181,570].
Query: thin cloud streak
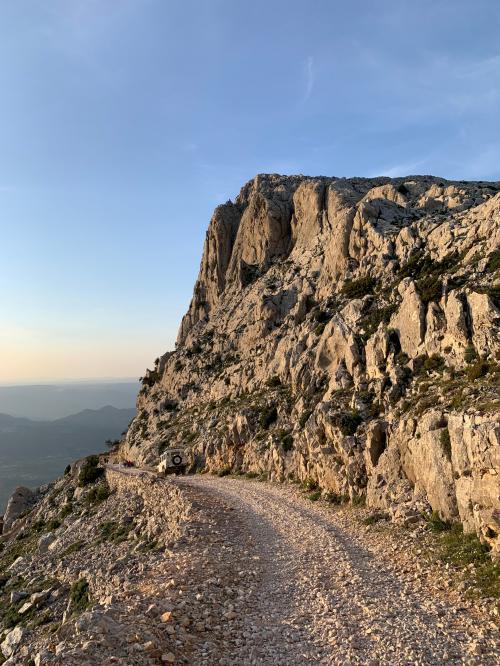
[310,78]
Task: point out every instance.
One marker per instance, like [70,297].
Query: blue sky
[124,122]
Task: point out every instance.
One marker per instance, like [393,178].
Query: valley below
[33,453]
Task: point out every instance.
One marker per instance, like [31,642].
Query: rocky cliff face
[346,332]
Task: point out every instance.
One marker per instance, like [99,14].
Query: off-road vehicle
[172,461]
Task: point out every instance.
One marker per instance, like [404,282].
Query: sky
[123,123]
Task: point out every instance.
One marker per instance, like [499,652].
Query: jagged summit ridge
[273,214]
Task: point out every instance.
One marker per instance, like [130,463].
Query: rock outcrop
[21,500]
[344,331]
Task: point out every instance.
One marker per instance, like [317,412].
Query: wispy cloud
[309,77]
[402,169]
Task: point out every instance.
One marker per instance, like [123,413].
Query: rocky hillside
[77,569]
[344,333]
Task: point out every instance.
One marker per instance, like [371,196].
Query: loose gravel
[285,581]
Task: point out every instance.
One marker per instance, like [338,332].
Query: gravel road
[294,584]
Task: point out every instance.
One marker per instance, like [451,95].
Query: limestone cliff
[344,331]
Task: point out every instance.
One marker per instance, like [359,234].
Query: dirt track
[305,588]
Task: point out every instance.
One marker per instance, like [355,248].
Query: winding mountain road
[308,587]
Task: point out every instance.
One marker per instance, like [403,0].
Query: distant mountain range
[35,452]
[46,402]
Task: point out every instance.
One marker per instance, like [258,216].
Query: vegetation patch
[430,288]
[359,288]
[286,440]
[493,264]
[310,484]
[304,417]
[479,369]
[90,471]
[314,497]
[268,416]
[79,596]
[66,511]
[470,354]
[347,422]
[252,475]
[114,531]
[436,524]
[98,494]
[372,321]
[466,552]
[425,364]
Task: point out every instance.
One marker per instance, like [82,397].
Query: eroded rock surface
[325,306]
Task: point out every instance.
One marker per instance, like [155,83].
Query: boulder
[21,500]
[45,541]
[12,641]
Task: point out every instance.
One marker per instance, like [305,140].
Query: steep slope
[344,332]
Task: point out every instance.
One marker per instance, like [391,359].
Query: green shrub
[286,439]
[421,265]
[114,531]
[430,288]
[314,497]
[380,314]
[347,422]
[225,471]
[401,358]
[479,369]
[445,441]
[310,484]
[304,417]
[67,470]
[466,551]
[90,471]
[98,494]
[43,618]
[359,288]
[79,595]
[321,316]
[358,500]
[65,511]
[334,498]
[11,618]
[493,262]
[52,525]
[425,364]
[268,416]
[436,523]
[251,475]
[319,329]
[367,397]
[470,354]
[273,381]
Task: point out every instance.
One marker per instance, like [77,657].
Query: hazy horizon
[51,381]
